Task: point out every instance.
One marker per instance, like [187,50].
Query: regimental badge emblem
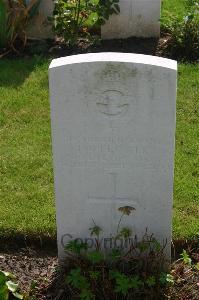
[112,103]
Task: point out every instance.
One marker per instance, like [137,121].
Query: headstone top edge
[114,57]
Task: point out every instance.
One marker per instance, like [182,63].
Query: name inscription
[114,151]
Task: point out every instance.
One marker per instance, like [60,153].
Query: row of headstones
[113,130]
[138,18]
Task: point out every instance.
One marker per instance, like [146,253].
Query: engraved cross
[114,196]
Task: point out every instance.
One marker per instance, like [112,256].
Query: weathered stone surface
[139,18]
[39,26]
[113,128]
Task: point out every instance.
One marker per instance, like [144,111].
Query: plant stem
[120,220]
[78,11]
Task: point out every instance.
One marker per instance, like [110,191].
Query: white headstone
[139,18]
[113,129]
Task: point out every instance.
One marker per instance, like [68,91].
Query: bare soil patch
[38,273]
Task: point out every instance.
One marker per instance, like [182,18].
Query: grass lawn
[186,185]
[26,202]
[26,184]
[27,199]
[176,7]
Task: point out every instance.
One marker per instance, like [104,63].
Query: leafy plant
[125,283]
[125,211]
[95,257]
[95,230]
[186,258]
[166,278]
[197,266]
[182,281]
[183,33]
[8,286]
[75,18]
[116,273]
[151,281]
[122,282]
[125,232]
[94,275]
[14,17]
[80,282]
[76,246]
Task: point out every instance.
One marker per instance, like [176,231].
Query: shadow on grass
[13,72]
[13,241]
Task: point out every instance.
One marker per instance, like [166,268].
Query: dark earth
[34,262]
[50,48]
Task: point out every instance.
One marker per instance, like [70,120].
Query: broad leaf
[12,286]
[18,296]
[4,293]
[2,279]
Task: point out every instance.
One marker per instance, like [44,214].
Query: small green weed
[116,273]
[186,258]
[9,287]
[183,277]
